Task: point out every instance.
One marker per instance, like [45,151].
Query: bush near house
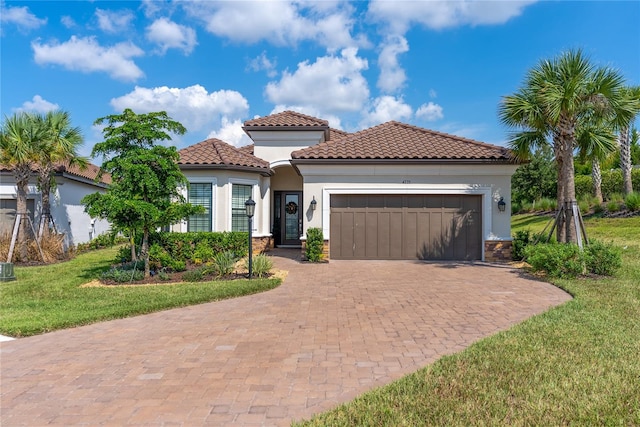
[315,242]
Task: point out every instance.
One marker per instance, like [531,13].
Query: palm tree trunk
[596,175]
[22,186]
[45,194]
[569,194]
[561,230]
[625,160]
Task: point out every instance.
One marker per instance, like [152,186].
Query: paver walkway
[329,333]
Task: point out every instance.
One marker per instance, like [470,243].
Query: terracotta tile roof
[287,119]
[214,152]
[394,140]
[90,172]
[337,134]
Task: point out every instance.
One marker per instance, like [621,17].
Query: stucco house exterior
[67,212]
[392,191]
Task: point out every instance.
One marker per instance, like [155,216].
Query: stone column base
[498,250]
[261,244]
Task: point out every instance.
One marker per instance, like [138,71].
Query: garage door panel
[439,227]
[396,240]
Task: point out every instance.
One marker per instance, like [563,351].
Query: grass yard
[47,298]
[577,364]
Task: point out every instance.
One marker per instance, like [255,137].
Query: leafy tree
[146,180]
[20,139]
[557,98]
[59,146]
[536,179]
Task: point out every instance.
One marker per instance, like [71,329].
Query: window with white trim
[200,194]
[240,193]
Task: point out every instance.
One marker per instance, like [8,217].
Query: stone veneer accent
[261,244]
[497,250]
[325,250]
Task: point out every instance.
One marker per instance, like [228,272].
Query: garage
[390,226]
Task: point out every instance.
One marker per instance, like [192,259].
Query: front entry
[287,218]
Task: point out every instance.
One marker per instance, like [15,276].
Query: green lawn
[50,297]
[577,364]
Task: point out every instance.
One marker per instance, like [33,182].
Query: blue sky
[212,65]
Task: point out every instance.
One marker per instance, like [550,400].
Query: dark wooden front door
[287,218]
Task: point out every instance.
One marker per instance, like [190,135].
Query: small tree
[146,180]
[20,139]
[60,144]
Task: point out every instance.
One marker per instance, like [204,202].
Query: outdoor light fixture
[250,207]
[502,205]
[314,203]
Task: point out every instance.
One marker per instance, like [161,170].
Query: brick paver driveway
[330,332]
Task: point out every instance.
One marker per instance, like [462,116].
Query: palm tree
[59,147]
[19,141]
[557,98]
[596,142]
[625,141]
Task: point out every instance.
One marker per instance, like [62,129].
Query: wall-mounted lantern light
[314,203]
[502,205]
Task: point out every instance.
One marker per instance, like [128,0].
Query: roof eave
[261,171]
[303,161]
[324,129]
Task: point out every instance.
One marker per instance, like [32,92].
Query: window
[240,193]
[200,195]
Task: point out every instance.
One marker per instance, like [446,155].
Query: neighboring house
[393,191]
[66,210]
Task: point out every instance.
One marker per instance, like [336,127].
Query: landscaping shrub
[521,240]
[603,259]
[613,206]
[195,275]
[202,253]
[632,201]
[584,206]
[185,246]
[101,241]
[261,264]
[224,263]
[315,242]
[584,186]
[547,204]
[555,259]
[611,182]
[122,274]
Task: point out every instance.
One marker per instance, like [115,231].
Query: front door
[287,218]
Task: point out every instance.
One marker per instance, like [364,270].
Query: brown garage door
[434,227]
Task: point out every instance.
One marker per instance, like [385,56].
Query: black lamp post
[250,207]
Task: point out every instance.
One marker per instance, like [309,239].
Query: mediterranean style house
[392,191]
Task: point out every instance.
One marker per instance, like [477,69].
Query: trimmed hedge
[611,183]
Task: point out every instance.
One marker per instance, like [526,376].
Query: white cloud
[433,93]
[38,104]
[334,82]
[168,34]
[387,108]
[262,62]
[392,76]
[231,132]
[280,23]
[21,17]
[310,110]
[192,106]
[438,15]
[68,21]
[86,55]
[430,112]
[111,21]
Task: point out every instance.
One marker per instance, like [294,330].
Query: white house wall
[222,181]
[66,210]
[276,146]
[489,181]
